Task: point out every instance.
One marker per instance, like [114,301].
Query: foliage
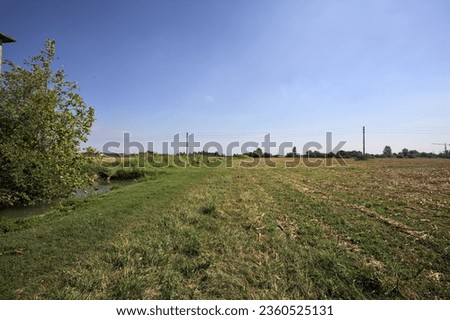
[387,152]
[96,170]
[405,152]
[414,154]
[258,153]
[128,174]
[362,157]
[91,152]
[43,120]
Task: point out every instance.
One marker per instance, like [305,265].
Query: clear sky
[235,70]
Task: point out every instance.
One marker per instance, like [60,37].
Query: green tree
[258,153]
[405,152]
[43,120]
[91,152]
[294,151]
[387,152]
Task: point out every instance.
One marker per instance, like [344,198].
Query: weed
[209,209]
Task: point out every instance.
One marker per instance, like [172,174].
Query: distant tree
[387,152]
[91,152]
[294,151]
[43,120]
[413,154]
[405,152]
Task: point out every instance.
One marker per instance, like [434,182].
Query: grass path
[41,249]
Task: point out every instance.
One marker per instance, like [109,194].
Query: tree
[387,152]
[294,151]
[91,152]
[405,152]
[258,153]
[43,120]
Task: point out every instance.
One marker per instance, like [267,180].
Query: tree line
[387,153]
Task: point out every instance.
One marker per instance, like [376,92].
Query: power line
[444,144]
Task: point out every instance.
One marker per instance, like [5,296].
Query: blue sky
[236,70]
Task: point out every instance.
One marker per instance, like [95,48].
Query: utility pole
[443,144]
[4,39]
[364,141]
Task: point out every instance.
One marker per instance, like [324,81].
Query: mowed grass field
[377,229]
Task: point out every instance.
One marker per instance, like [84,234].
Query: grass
[376,229]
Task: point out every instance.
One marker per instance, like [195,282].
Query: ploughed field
[377,229]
